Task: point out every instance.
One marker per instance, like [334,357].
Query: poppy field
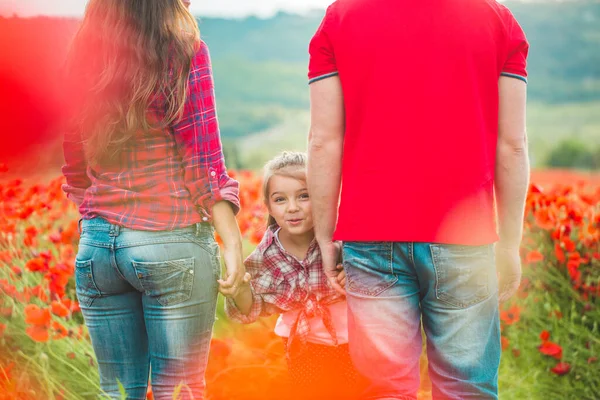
[550,330]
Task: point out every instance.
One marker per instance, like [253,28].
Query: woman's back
[142,148]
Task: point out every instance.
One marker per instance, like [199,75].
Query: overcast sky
[201,7]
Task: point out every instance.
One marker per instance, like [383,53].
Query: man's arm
[325,148]
[511,181]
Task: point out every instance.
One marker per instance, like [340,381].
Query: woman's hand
[235,273]
[229,232]
[243,297]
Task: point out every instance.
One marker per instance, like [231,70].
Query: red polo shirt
[420,84]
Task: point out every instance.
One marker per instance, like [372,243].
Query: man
[425,100]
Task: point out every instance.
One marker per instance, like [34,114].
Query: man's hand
[508,265]
[330,254]
[236,275]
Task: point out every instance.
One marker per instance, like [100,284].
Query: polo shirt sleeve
[515,65]
[322,62]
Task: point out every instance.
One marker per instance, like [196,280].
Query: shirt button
[204,219]
[213,173]
[192,271]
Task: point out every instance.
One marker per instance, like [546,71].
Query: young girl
[285,276]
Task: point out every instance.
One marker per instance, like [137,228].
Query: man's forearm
[512,182]
[324,181]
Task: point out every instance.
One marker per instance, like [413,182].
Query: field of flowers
[551,337]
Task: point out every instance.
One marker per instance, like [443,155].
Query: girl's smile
[289,205]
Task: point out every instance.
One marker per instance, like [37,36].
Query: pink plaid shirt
[280,283]
[163,179]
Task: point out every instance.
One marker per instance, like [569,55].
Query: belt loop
[79,225]
[114,230]
[198,227]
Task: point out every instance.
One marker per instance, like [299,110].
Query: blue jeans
[149,302]
[452,289]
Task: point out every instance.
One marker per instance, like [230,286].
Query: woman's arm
[214,193]
[199,143]
[75,168]
[229,231]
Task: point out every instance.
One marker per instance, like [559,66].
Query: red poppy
[561,368]
[533,257]
[505,342]
[38,333]
[59,309]
[559,253]
[545,335]
[2,329]
[149,393]
[544,219]
[551,349]
[60,331]
[592,360]
[511,316]
[34,315]
[71,355]
[37,265]
[569,244]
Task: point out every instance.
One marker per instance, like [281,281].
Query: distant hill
[260,66]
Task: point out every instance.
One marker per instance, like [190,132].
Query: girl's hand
[341,278]
[330,254]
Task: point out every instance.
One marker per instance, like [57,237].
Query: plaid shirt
[164,179]
[280,283]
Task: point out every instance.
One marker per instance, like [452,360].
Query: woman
[144,164]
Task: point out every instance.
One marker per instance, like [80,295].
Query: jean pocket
[463,274]
[368,267]
[85,286]
[169,282]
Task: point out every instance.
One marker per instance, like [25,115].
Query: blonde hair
[289,163]
[125,54]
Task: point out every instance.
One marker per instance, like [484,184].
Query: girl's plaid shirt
[280,283]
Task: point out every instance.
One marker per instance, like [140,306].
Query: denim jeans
[453,290]
[149,302]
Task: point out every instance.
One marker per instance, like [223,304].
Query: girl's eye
[304,196]
[279,199]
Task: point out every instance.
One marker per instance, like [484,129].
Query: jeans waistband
[101,225]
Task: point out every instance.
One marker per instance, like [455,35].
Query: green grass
[547,125]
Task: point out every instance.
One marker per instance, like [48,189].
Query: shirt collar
[270,237]
[267,239]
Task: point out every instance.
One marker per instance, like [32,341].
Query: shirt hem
[321,77]
[516,76]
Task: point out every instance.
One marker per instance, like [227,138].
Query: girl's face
[289,205]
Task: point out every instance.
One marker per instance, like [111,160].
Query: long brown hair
[125,54]
[289,163]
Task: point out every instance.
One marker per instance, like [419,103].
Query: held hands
[236,276]
[331,254]
[508,264]
[341,278]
